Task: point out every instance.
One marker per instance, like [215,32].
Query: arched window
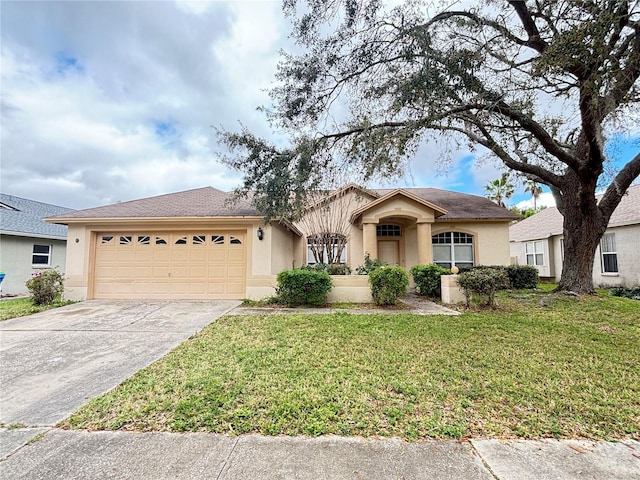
[326,248]
[453,249]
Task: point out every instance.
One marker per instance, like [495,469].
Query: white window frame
[605,251]
[311,259]
[38,254]
[452,243]
[531,250]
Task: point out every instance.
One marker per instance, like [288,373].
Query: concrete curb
[90,455]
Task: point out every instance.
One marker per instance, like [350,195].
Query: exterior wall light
[260,233]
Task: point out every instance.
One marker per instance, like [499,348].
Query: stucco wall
[282,251]
[491,239]
[15,260]
[549,267]
[628,249]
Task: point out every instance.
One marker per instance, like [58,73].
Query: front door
[388,252]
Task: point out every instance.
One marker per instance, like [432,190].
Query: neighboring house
[538,241]
[196,245]
[27,243]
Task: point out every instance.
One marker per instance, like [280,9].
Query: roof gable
[24,217]
[438,211]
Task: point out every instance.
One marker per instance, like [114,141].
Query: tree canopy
[538,85]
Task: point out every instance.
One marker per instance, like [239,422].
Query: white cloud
[544,200]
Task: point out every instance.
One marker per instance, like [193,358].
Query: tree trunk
[583,227]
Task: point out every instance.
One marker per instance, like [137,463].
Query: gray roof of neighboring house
[459,206]
[210,202]
[201,202]
[23,217]
[548,222]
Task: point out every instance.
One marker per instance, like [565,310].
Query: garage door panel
[217,271]
[217,254]
[235,272]
[236,255]
[170,265]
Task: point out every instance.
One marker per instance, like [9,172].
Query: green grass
[19,307]
[563,367]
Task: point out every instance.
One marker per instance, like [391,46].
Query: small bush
[315,267]
[369,265]
[632,293]
[483,282]
[427,278]
[331,268]
[303,287]
[338,269]
[45,286]
[387,284]
[522,276]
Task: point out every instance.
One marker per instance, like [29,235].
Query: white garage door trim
[193,264]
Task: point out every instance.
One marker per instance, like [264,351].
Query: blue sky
[112,101]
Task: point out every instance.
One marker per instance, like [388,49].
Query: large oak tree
[537,84]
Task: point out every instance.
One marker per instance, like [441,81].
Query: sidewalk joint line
[224,465]
[484,462]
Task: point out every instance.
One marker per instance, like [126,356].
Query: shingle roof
[459,206]
[23,217]
[548,222]
[201,202]
[210,202]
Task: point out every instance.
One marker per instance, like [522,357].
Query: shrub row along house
[28,244]
[538,241]
[197,245]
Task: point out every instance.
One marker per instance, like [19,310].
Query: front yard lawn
[561,367]
[19,307]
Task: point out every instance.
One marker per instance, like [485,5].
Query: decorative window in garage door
[169,239]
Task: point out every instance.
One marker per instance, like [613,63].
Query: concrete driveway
[53,362]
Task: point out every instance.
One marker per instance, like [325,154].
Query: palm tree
[535,190]
[500,190]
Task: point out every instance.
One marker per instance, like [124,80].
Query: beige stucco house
[538,241]
[197,245]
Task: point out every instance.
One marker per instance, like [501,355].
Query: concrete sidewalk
[58,454]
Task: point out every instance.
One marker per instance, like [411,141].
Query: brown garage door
[174,265]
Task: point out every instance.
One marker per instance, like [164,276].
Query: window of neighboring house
[41,256]
[608,254]
[320,248]
[534,253]
[453,249]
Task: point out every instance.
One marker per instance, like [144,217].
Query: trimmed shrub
[45,286]
[331,268]
[388,283]
[632,293]
[484,282]
[369,265]
[303,287]
[522,276]
[338,269]
[427,278]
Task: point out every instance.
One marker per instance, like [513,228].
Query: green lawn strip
[19,307]
[567,369]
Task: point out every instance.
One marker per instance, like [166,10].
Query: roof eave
[148,220]
[33,235]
